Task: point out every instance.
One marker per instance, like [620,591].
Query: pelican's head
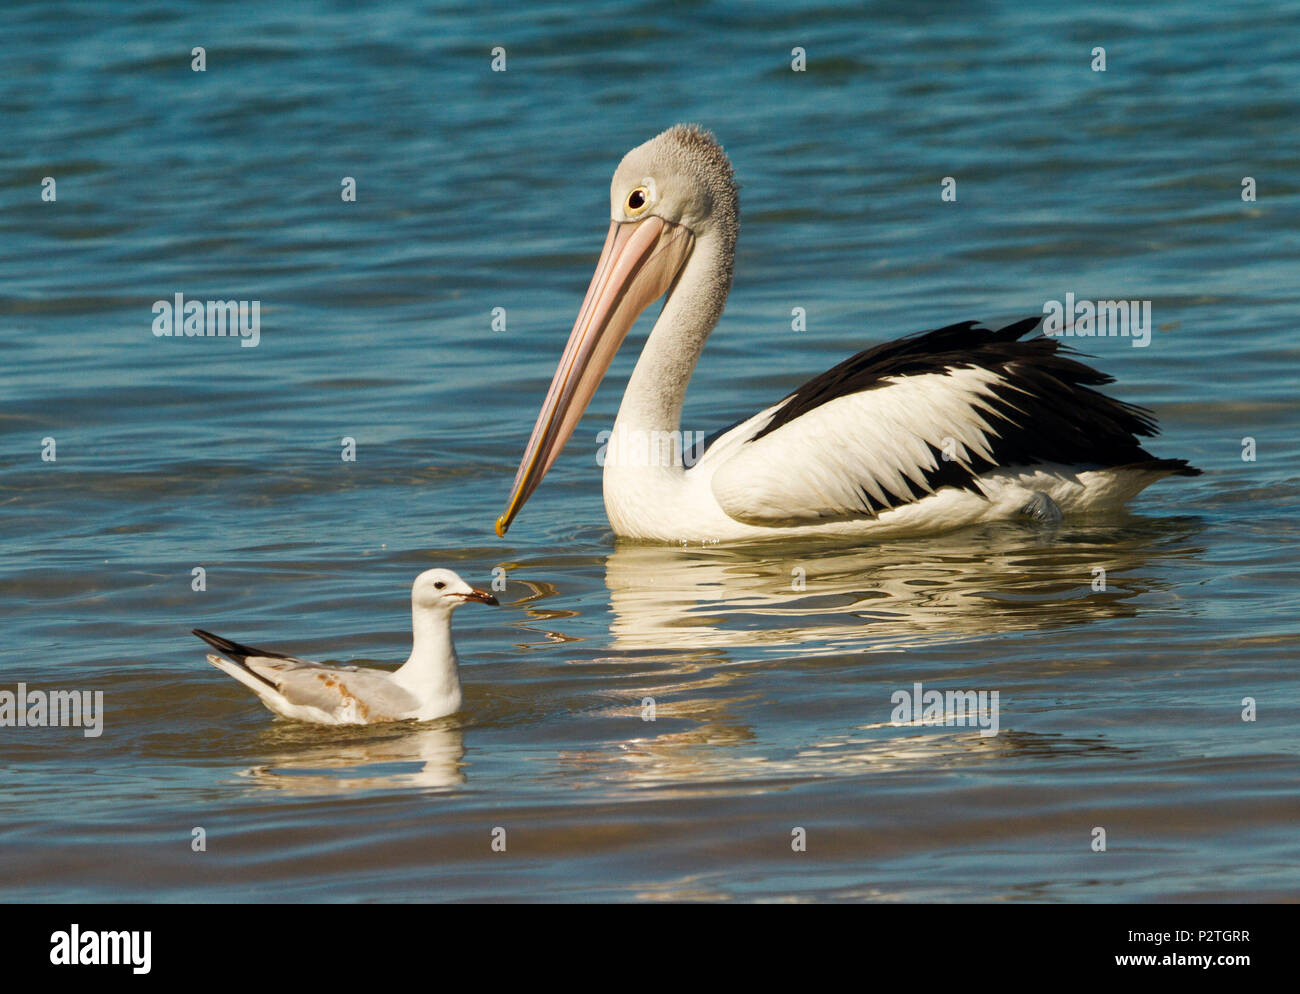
[442,590]
[682,177]
[668,194]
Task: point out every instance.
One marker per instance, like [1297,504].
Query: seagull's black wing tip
[235,650]
[232,649]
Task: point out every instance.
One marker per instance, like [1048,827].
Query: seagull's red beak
[640,261]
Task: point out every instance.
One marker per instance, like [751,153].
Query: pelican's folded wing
[894,424]
[859,455]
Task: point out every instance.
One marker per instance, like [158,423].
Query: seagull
[425,687]
[926,433]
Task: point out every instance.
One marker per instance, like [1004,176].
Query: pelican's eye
[439,585]
[638,200]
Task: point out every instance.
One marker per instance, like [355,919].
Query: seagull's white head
[442,590]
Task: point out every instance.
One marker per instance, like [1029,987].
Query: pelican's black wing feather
[1046,408]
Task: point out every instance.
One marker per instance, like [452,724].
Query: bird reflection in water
[991,580]
[309,760]
[677,612]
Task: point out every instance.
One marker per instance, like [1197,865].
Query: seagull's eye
[637,200]
[439,585]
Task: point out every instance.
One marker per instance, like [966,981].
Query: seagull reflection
[306,760]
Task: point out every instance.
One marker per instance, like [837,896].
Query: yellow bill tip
[502,525]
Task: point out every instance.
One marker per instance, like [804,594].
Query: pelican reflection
[990,580]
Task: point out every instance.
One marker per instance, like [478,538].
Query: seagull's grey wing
[371,694]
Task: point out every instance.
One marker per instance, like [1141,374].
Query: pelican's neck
[645,479]
[432,668]
[655,393]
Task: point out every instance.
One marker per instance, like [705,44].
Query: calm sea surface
[1120,708]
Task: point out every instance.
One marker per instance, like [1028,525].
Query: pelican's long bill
[637,266]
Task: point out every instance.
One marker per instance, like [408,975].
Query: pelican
[425,687]
[929,432]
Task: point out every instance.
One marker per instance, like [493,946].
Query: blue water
[477,190]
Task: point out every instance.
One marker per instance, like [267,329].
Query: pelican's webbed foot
[1043,509]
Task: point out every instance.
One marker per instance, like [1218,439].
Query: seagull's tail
[237,652]
[244,675]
